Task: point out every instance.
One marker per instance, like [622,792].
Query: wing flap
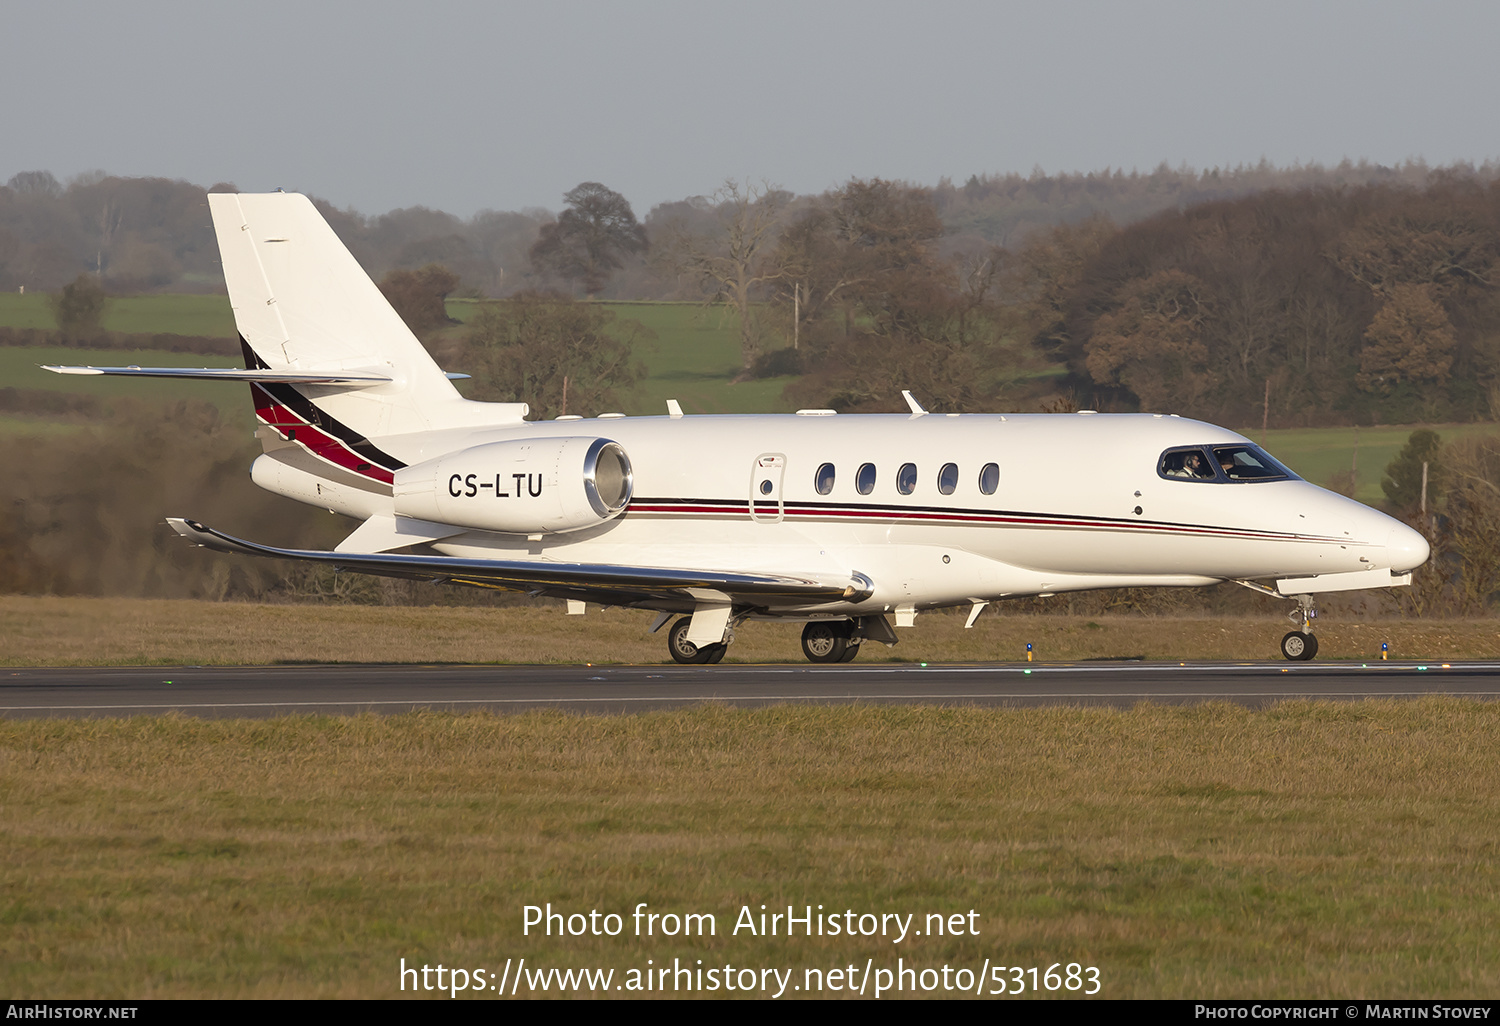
[600,582]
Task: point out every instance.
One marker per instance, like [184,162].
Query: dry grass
[1304,850]
[80,631]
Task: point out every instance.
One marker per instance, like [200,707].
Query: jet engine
[530,486]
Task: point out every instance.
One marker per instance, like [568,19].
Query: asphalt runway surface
[256,691]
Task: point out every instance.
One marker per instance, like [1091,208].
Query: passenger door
[765,487]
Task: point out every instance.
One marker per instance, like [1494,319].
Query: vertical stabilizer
[302,303]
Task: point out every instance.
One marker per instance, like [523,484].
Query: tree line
[1320,305]
[154,234]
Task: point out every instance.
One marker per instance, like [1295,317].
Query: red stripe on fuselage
[314,439]
[700,507]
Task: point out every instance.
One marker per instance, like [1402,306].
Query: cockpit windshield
[1222,464]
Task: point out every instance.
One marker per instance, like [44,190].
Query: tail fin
[302,303]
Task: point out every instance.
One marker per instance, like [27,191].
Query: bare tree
[550,351]
[586,241]
[731,265]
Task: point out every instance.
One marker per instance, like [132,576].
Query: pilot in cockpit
[1190,465]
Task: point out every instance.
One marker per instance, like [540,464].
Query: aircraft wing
[610,584]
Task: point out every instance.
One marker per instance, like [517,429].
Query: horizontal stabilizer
[609,584]
[355,379]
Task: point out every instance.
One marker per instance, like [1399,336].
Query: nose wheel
[1299,647]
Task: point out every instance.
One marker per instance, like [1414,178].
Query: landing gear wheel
[1299,647]
[684,651]
[850,651]
[827,641]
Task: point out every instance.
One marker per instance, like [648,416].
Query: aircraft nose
[1406,549]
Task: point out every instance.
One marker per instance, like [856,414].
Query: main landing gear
[823,641]
[684,651]
[830,641]
[1302,644]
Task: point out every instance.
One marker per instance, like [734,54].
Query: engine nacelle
[531,486]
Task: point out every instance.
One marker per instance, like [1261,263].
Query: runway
[259,691]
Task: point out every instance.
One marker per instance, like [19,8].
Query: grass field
[21,367]
[693,359]
[171,314]
[1319,453]
[50,631]
[1306,850]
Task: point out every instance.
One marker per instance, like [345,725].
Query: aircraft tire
[683,650]
[826,641]
[1299,647]
[851,650]
[715,653]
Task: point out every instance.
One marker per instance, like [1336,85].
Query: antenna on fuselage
[911,402]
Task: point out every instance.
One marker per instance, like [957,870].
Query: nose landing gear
[1302,644]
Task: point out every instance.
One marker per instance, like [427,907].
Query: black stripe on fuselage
[288,396]
[939,514]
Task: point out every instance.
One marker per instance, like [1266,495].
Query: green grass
[168,314]
[26,311]
[53,631]
[20,367]
[1329,850]
[1318,453]
[693,359]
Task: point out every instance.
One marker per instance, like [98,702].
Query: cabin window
[948,478]
[765,487]
[864,479]
[906,478]
[823,480]
[989,478]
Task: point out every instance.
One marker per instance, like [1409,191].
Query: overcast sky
[466,106]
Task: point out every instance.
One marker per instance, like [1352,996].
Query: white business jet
[815,518]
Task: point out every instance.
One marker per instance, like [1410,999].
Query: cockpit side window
[1186,465]
[1221,464]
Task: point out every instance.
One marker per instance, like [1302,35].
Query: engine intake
[531,486]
